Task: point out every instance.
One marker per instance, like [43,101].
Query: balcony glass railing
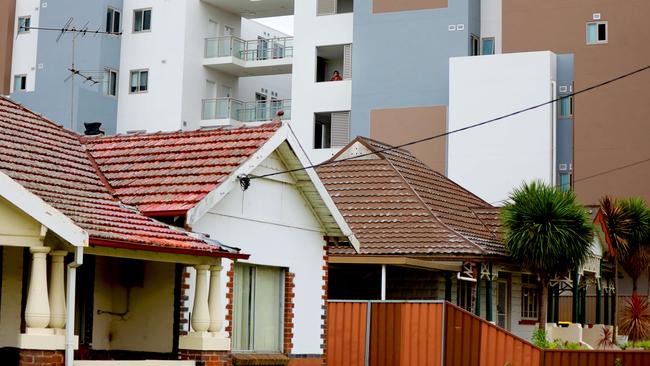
[255,50]
[259,111]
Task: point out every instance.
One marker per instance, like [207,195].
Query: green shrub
[539,338]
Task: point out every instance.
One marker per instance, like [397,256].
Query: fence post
[368,314]
[444,333]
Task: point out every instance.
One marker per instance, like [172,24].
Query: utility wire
[596,86]
[83,31]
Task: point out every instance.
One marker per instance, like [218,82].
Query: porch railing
[252,50]
[258,111]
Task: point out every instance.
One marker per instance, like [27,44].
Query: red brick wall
[288,311]
[207,358]
[325,286]
[40,358]
[229,298]
[185,286]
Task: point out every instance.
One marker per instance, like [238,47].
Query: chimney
[93,128]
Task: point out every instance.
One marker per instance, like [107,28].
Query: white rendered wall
[493,159]
[25,44]
[309,97]
[273,223]
[491,22]
[12,290]
[161,51]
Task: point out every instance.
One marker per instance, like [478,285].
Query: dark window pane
[137,24]
[144,76]
[109,19]
[27,23]
[116,22]
[113,84]
[147,20]
[602,32]
[23,83]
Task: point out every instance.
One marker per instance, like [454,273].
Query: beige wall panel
[612,124]
[401,125]
[12,286]
[387,6]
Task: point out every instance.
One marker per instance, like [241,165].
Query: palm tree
[548,232]
[628,226]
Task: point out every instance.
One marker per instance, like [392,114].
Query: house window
[333,63]
[139,81]
[474,45]
[331,7]
[112,20]
[331,129]
[24,24]
[257,308]
[596,32]
[20,83]
[566,107]
[487,46]
[465,292]
[141,20]
[529,297]
[110,82]
[565,181]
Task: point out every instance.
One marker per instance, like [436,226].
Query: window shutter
[347,62]
[340,129]
[326,7]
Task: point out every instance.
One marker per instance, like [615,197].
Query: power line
[596,86]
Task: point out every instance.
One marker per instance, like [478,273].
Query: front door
[503,305]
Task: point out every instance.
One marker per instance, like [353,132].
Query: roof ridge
[472,210]
[426,206]
[99,172]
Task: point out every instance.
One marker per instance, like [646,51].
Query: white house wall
[25,44]
[491,22]
[309,97]
[11,297]
[493,159]
[273,223]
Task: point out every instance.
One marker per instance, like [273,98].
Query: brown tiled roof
[52,163]
[395,204]
[171,172]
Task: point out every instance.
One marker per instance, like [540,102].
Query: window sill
[259,359]
[528,322]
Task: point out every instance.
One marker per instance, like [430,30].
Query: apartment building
[198,64]
[35,64]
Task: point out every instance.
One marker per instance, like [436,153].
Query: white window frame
[107,91]
[139,71]
[142,30]
[26,29]
[559,107]
[529,311]
[112,26]
[597,41]
[14,84]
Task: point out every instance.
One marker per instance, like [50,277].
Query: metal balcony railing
[258,111]
[254,50]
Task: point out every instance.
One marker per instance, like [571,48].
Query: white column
[57,291]
[200,310]
[214,300]
[383,282]
[37,309]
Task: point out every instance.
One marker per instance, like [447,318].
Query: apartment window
[596,32]
[139,81]
[464,296]
[566,107]
[333,63]
[20,83]
[258,307]
[24,24]
[113,20]
[141,20]
[474,45]
[565,181]
[487,46]
[529,297]
[110,82]
[331,7]
[331,129]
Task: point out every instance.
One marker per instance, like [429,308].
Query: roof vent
[93,128]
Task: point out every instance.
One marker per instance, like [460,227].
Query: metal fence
[258,111]
[253,50]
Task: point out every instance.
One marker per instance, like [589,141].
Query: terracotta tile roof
[53,164]
[171,172]
[395,204]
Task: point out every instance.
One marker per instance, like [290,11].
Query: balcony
[233,112]
[238,57]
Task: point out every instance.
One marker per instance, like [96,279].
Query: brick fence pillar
[29,357]
[207,358]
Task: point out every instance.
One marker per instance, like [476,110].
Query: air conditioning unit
[563,88]
[596,16]
[562,167]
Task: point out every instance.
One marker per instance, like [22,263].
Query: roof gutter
[160,249]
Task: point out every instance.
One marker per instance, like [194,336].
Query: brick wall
[288,311]
[324,318]
[229,298]
[185,305]
[40,358]
[207,358]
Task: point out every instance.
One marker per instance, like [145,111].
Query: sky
[284,24]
